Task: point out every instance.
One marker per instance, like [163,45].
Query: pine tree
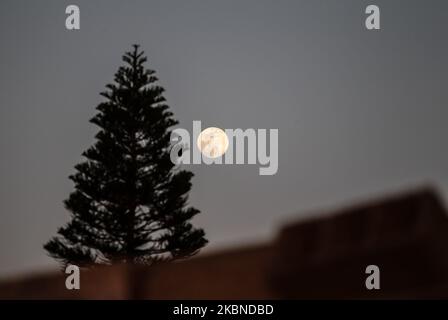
[130,200]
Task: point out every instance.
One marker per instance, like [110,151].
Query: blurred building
[406,236]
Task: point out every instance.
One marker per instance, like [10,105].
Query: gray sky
[360,113]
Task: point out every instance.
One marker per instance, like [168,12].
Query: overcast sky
[360,113]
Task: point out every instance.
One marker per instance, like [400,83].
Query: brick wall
[405,235]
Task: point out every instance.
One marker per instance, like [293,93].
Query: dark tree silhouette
[130,200]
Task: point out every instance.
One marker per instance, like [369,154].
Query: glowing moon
[213,142]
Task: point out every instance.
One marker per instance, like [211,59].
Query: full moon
[213,142]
